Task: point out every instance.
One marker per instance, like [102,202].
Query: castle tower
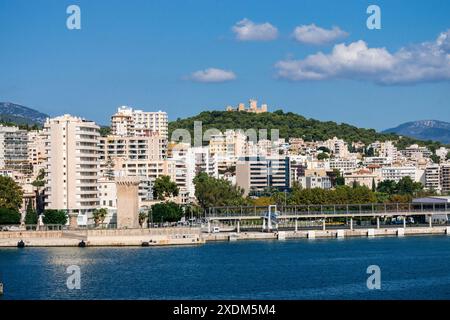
[127,202]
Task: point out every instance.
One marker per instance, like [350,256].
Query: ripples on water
[411,268]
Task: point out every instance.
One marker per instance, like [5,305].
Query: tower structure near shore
[127,202]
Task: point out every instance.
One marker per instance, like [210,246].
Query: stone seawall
[190,236]
[107,237]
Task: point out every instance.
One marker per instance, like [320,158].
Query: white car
[215,230]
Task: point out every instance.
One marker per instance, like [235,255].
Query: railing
[334,209]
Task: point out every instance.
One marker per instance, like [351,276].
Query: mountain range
[21,115]
[424,130]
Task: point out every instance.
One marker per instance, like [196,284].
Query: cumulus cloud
[424,62]
[212,75]
[312,34]
[247,30]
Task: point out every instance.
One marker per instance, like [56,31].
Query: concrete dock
[122,237]
[191,236]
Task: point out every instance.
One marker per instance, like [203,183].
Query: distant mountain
[424,130]
[15,113]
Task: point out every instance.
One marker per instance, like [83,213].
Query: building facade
[72,164]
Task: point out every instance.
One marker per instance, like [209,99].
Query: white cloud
[425,62]
[311,34]
[247,30]
[212,75]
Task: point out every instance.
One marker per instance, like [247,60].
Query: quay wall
[190,236]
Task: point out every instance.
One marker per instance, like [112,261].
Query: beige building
[129,122]
[363,177]
[71,146]
[151,147]
[36,151]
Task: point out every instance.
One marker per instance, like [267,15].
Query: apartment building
[433,177]
[129,122]
[231,144]
[254,174]
[311,182]
[151,147]
[445,178]
[337,146]
[397,173]
[343,165]
[14,149]
[72,164]
[415,151]
[36,151]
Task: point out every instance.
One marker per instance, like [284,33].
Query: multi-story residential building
[415,151]
[388,150]
[382,161]
[36,151]
[71,146]
[151,147]
[311,182]
[337,146]
[445,178]
[254,174]
[230,145]
[129,122]
[397,173]
[253,107]
[433,177]
[14,149]
[343,165]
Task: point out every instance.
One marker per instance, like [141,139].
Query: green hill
[290,125]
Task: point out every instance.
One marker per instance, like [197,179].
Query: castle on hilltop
[253,107]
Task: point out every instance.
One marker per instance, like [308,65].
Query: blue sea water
[411,268]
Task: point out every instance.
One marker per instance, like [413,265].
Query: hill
[20,115]
[289,125]
[424,130]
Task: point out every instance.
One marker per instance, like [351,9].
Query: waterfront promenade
[258,223]
[193,236]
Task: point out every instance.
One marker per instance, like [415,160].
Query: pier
[270,217]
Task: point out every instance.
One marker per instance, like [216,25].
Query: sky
[313,57]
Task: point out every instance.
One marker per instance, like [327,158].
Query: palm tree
[99,215]
[142,217]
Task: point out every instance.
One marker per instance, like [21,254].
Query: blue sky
[146,54]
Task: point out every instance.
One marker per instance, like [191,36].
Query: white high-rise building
[129,122]
[71,146]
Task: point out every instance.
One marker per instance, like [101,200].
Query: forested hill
[289,125]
